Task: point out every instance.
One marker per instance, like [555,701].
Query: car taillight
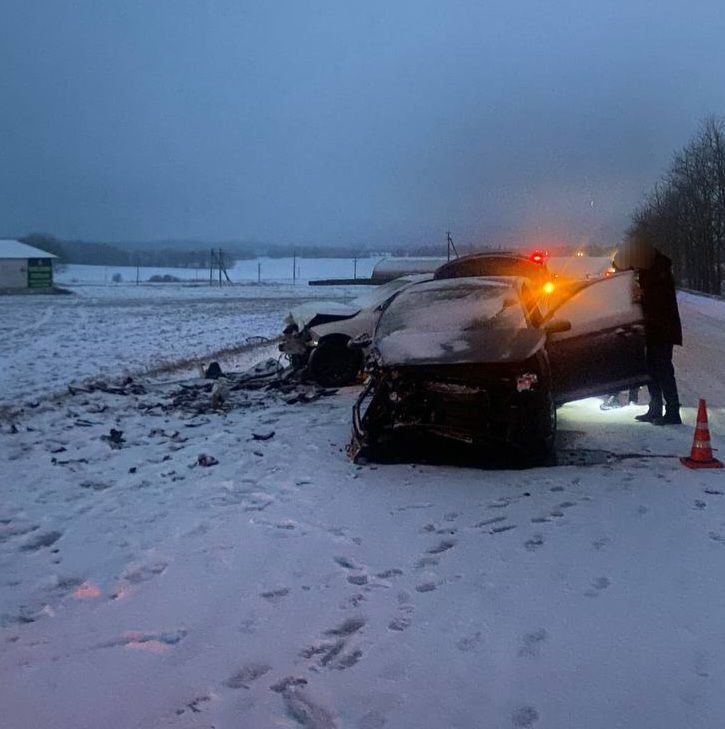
[538,256]
[526,381]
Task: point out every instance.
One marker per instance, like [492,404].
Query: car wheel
[332,364]
[537,433]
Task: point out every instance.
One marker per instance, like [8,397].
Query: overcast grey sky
[346,122]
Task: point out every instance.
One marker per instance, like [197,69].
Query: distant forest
[684,215]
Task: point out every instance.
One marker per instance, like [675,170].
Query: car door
[603,352]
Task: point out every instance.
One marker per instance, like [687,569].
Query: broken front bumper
[490,414]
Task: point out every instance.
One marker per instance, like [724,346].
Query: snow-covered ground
[285,586]
[268,270]
[47,342]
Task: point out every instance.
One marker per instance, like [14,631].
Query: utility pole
[354,266]
[451,246]
[294,265]
[211,268]
[220,268]
[259,272]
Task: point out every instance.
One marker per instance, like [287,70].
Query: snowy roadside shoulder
[231,565]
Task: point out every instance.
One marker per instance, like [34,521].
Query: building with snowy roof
[24,267]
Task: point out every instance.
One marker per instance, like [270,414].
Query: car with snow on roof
[486,361]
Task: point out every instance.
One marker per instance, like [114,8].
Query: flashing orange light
[548,287]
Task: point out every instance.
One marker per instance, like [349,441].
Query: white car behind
[316,334]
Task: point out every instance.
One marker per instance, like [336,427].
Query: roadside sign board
[40,273]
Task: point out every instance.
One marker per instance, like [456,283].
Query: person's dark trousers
[663,386]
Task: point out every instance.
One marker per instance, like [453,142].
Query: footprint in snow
[346,563]
[400,623]
[246,675]
[525,716]
[442,546]
[332,655]
[534,543]
[387,574]
[194,705]
[39,541]
[288,682]
[305,711]
[499,505]
[144,573]
[506,528]
[347,628]
[488,522]
[601,583]
[274,596]
[469,642]
[426,587]
[532,643]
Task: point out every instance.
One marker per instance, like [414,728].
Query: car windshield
[442,308]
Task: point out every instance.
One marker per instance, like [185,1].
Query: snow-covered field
[286,587]
[47,342]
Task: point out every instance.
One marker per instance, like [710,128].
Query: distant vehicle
[532,267]
[316,334]
[481,361]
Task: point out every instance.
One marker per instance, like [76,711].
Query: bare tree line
[684,215]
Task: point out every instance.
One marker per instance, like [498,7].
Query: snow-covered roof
[16,249]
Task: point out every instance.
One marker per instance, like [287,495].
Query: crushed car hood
[463,321]
[320,312]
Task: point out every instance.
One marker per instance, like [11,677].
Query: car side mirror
[361,341]
[556,326]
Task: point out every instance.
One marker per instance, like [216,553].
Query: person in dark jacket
[663,330]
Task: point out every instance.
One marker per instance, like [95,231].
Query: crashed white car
[316,334]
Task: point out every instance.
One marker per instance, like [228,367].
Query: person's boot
[651,416]
[671,417]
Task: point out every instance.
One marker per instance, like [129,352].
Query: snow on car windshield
[433,318]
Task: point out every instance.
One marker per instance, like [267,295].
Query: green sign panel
[40,273]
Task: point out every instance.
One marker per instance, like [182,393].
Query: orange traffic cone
[701,453]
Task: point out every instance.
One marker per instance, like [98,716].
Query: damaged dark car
[484,362]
